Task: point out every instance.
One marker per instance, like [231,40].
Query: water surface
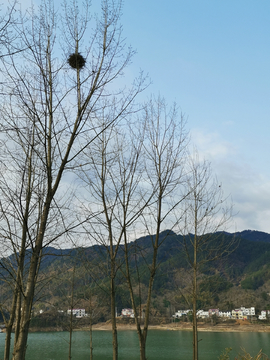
[161,345]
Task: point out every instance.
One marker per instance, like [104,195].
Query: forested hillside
[241,277]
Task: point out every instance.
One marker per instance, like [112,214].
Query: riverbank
[238,326]
[225,326]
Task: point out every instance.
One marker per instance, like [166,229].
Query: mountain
[241,278]
[254,235]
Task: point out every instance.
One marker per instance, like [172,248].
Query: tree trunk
[71,315]
[7,342]
[114,327]
[20,345]
[10,323]
[142,347]
[195,334]
[91,334]
[18,317]
[194,300]
[21,341]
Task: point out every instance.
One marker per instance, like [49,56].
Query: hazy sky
[213,58]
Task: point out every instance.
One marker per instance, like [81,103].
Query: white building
[79,313]
[180,313]
[225,314]
[248,311]
[243,313]
[264,314]
[127,313]
[202,314]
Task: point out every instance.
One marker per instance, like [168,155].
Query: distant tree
[207,213]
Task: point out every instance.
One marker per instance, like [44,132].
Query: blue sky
[213,58]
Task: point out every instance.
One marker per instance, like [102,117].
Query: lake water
[161,345]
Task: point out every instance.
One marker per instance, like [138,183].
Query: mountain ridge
[241,278]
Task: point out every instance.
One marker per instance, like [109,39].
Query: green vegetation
[218,284]
[215,284]
[255,280]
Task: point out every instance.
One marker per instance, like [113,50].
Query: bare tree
[207,213]
[134,178]
[7,35]
[112,181]
[164,150]
[93,281]
[48,100]
[7,43]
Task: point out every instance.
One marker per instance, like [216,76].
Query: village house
[202,314]
[225,314]
[237,314]
[213,312]
[264,315]
[241,313]
[180,313]
[79,313]
[248,312]
[127,313]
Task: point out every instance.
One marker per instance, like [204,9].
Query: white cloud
[210,145]
[248,187]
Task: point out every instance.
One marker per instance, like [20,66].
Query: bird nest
[76,61]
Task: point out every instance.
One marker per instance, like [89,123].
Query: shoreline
[239,326]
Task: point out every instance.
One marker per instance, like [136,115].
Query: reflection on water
[161,345]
